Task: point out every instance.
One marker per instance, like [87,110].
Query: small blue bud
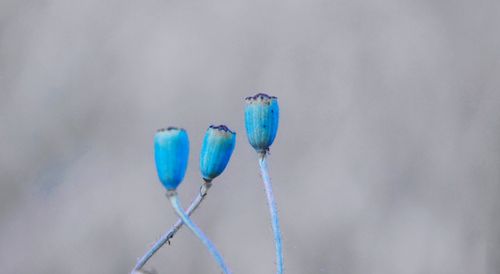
[171,156]
[261,120]
[218,145]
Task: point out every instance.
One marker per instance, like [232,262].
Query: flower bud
[261,120]
[218,145]
[171,156]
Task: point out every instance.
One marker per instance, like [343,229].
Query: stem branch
[171,232]
[174,200]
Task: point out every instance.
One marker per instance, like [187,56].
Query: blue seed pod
[171,156]
[261,120]
[218,145]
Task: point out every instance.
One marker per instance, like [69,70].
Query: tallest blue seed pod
[218,145]
[261,120]
[171,156]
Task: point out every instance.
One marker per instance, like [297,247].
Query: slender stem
[171,232]
[273,210]
[174,200]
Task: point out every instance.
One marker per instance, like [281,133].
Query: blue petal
[218,145]
[171,156]
[261,120]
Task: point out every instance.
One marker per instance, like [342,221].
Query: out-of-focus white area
[387,159]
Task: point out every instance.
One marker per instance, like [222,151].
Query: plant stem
[171,232]
[174,200]
[273,210]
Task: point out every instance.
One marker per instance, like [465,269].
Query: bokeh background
[387,158]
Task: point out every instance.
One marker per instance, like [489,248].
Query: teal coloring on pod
[171,156]
[218,145]
[261,120]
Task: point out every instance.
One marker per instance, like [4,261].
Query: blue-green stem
[273,210]
[165,238]
[174,200]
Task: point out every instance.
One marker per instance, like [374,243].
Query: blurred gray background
[387,158]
